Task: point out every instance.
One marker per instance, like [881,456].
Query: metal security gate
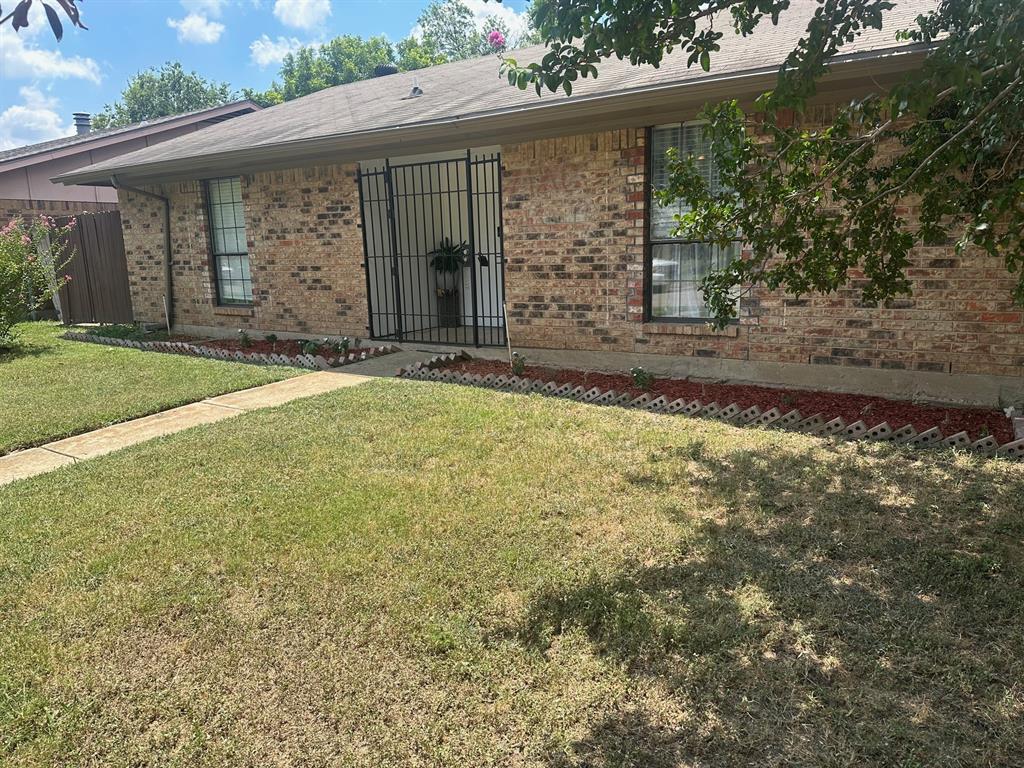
[409,211]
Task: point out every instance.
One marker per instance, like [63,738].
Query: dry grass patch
[418,574]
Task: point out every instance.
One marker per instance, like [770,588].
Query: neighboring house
[26,172]
[323,215]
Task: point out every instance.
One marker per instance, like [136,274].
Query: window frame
[214,259]
[650,241]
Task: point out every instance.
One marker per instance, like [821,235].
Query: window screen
[677,267]
[228,239]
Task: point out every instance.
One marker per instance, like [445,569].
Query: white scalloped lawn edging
[314,362]
[818,424]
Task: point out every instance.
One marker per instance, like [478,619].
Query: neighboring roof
[466,99]
[84,141]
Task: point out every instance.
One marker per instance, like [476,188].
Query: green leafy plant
[310,347]
[447,260]
[33,257]
[244,340]
[518,364]
[341,347]
[271,338]
[642,378]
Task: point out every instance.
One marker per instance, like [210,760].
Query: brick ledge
[689,329]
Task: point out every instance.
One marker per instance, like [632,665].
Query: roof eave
[518,123]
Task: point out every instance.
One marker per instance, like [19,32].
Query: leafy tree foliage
[939,157]
[159,92]
[449,27]
[19,16]
[343,60]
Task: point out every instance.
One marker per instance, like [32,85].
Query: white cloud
[302,14]
[212,8]
[517,22]
[265,51]
[196,28]
[35,119]
[22,59]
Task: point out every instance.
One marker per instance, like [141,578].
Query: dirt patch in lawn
[977,422]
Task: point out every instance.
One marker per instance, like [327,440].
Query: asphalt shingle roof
[466,89]
[82,138]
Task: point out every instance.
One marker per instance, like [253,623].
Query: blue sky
[240,41]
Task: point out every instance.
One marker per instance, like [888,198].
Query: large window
[678,266]
[228,241]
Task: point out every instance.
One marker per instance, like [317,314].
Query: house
[25,172]
[325,215]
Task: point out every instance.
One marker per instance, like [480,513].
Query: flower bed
[289,351]
[824,413]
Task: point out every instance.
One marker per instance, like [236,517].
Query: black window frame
[212,247]
[650,241]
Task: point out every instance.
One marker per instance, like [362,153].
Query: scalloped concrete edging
[817,424]
[313,362]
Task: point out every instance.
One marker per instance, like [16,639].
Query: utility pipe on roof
[168,274]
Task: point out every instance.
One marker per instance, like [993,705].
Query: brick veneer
[574,215]
[305,253]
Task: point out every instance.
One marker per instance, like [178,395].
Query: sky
[238,41]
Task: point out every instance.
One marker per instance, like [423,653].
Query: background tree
[155,93]
[343,60]
[19,16]
[450,28]
[817,203]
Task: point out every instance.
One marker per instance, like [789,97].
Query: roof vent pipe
[416,90]
[83,122]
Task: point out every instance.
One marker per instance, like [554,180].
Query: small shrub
[341,347]
[518,364]
[642,378]
[33,256]
[243,338]
[271,338]
[310,347]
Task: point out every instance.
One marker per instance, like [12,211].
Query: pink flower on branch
[496,39]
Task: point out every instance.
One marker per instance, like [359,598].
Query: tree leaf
[55,25]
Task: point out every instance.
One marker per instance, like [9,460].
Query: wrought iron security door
[409,211]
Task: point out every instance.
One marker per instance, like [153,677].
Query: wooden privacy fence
[98,291]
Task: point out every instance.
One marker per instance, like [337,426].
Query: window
[677,267]
[228,241]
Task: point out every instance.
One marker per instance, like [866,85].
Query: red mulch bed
[977,422]
[289,347]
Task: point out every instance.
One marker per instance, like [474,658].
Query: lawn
[408,573]
[51,388]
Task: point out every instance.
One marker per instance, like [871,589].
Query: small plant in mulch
[310,347]
[271,338]
[642,378]
[518,364]
[244,340]
[340,347]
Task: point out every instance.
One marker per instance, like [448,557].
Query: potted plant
[448,259]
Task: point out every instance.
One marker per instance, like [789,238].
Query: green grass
[51,388]
[419,574]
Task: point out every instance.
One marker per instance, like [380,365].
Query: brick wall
[305,254]
[10,209]
[574,211]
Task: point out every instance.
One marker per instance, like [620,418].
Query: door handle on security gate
[483,260]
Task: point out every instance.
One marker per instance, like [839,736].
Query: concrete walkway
[36,461]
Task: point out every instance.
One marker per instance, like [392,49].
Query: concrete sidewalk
[36,461]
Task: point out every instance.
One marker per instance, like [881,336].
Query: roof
[466,99]
[84,141]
